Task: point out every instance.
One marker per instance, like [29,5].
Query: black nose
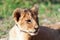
[36,30]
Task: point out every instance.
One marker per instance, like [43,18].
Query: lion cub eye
[28,21]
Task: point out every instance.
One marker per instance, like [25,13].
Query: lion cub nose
[36,28]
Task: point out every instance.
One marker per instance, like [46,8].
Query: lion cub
[26,23]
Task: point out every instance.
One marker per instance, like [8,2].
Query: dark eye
[28,21]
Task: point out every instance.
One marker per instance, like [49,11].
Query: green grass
[46,10]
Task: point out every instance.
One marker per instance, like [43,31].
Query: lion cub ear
[16,14]
[35,8]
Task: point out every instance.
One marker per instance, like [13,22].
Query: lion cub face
[27,19]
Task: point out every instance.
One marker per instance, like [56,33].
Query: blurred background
[49,12]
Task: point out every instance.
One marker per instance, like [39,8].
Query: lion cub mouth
[34,33]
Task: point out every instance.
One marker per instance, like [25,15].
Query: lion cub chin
[26,23]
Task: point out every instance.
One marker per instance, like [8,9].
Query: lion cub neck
[16,34]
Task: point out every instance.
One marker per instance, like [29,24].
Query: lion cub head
[27,19]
